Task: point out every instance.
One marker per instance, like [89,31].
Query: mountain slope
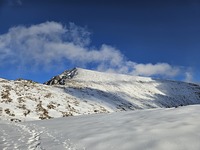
[131,91]
[79,91]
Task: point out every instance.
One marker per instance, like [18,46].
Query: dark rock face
[62,78]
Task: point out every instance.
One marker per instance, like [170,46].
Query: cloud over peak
[45,45]
[159,68]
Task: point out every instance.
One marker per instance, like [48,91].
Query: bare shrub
[66,114]
[3,81]
[26,112]
[15,120]
[42,111]
[6,93]
[7,111]
[48,95]
[51,106]
[20,99]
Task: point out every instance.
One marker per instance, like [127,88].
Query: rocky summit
[62,78]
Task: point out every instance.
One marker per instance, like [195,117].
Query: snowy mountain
[79,91]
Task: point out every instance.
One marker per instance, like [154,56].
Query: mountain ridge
[80,91]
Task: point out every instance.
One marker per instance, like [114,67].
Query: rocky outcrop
[62,78]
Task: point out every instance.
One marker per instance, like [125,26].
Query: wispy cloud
[46,44]
[189,77]
[159,68]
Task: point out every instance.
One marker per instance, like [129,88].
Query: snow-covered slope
[126,92]
[27,100]
[80,91]
[155,129]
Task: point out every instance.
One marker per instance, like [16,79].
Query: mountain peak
[61,79]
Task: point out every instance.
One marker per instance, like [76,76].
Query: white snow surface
[91,92]
[152,129]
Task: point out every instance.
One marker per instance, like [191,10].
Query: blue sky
[39,39]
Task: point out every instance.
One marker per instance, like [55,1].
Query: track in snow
[18,136]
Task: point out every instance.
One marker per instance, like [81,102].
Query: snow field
[153,129]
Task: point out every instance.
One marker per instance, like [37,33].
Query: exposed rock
[62,78]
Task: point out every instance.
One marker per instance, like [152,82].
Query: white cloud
[188,77]
[159,68]
[46,44]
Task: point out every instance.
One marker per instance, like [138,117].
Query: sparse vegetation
[51,105]
[76,103]
[5,94]
[3,81]
[1,111]
[15,120]
[26,80]
[96,111]
[25,110]
[66,114]
[48,95]
[7,111]
[20,99]
[42,111]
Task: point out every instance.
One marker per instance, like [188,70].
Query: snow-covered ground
[152,129]
[90,92]
[155,123]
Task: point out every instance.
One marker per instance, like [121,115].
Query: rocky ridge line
[62,78]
